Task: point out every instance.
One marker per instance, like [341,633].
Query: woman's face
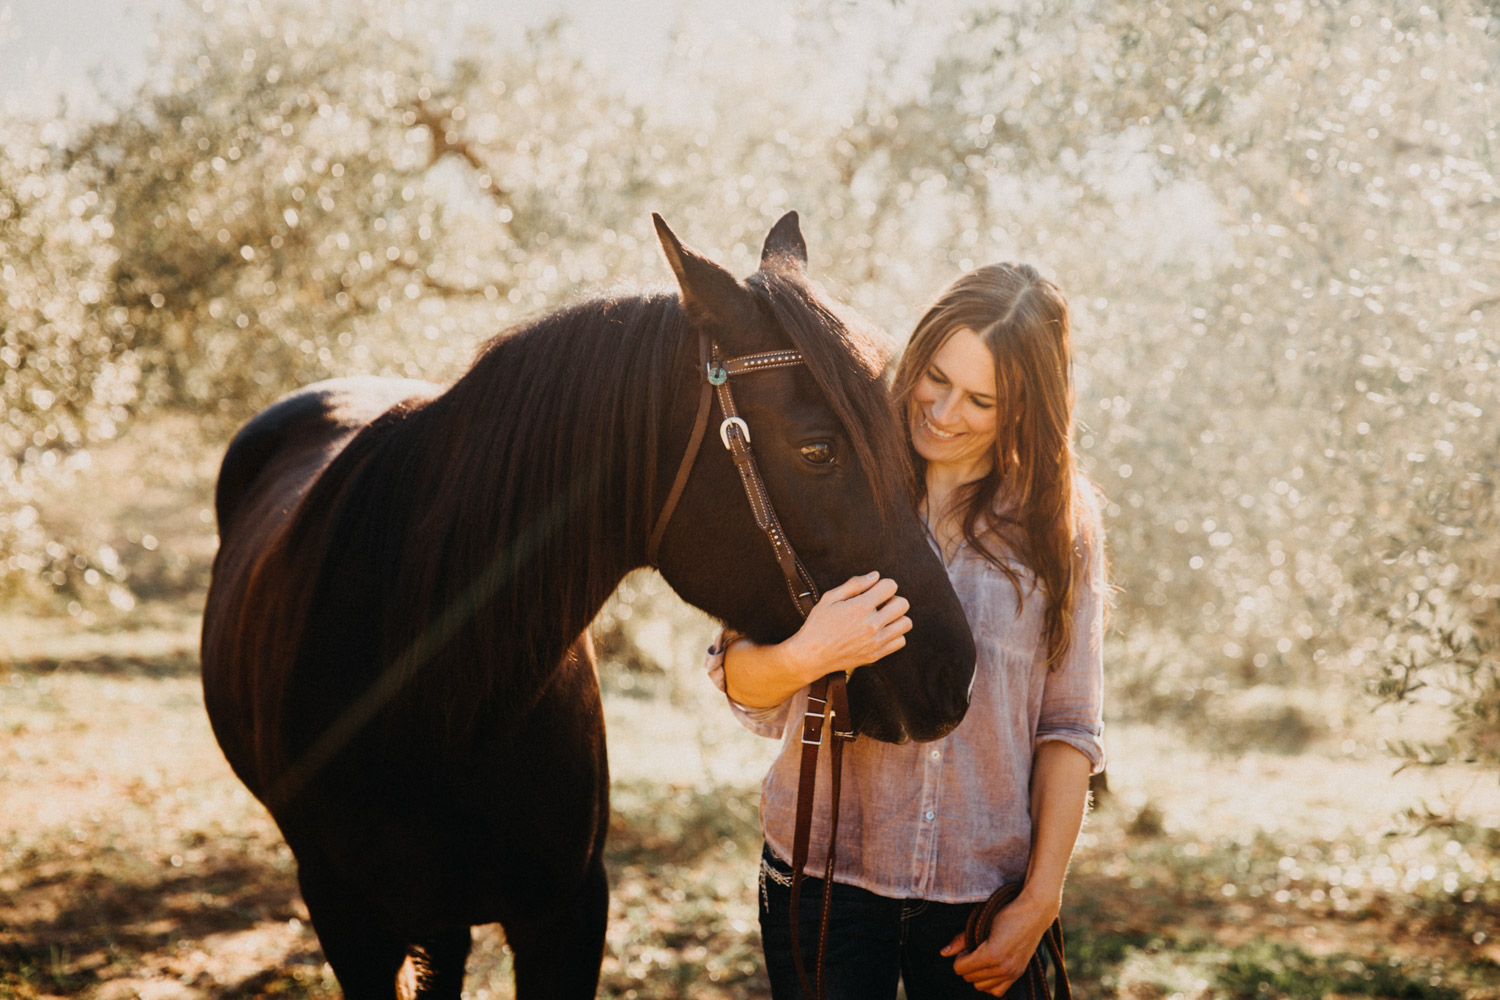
[951,416]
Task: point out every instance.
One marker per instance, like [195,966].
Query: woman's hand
[1059,793]
[855,623]
[1015,934]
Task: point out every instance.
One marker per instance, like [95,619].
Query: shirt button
[929,815]
[936,754]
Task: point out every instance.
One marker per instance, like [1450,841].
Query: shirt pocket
[1003,613]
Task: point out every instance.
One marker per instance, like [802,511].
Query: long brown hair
[1033,505]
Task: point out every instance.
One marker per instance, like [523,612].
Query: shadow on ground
[178,663]
[111,921]
[193,903]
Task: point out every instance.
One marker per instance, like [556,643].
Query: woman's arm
[1059,798]
[855,623]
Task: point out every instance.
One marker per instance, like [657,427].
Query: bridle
[714,376]
[827,700]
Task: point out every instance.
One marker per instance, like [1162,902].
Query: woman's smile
[941,435]
[944,435]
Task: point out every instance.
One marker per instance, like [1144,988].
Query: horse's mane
[471,524]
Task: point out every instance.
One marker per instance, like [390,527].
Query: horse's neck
[569,515]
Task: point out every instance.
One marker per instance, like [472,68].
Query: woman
[929,830]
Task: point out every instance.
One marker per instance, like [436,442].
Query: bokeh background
[1279,228]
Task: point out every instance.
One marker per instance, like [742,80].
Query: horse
[395,653]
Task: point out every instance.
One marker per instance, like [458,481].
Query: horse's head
[833,455]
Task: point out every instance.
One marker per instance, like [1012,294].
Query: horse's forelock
[847,357]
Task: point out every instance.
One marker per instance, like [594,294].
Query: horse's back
[315,421]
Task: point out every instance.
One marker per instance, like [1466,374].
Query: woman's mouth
[940,435]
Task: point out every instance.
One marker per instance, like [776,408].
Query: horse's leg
[366,955]
[560,958]
[438,964]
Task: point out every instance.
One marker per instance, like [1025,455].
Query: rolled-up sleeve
[1073,699]
[769,722]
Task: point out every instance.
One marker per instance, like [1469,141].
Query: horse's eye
[819,453]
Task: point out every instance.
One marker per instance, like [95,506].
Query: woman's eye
[818,453]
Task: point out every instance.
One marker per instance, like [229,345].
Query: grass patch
[1270,969]
[178,663]
[37,972]
[1196,966]
[681,825]
[133,861]
[683,864]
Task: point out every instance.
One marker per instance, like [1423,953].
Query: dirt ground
[136,866]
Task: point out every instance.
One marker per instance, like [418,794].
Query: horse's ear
[707,289]
[785,245]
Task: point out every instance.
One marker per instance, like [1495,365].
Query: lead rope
[977,928]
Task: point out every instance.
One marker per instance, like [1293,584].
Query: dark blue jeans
[873,941]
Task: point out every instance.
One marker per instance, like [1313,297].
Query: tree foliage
[1278,223]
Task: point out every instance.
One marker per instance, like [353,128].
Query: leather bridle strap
[690,456]
[828,700]
[736,437]
[735,434]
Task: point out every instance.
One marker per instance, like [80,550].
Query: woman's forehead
[967,362]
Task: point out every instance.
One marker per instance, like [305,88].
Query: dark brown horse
[393,651]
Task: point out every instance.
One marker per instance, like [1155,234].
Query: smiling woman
[929,831]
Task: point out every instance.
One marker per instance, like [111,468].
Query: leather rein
[827,701]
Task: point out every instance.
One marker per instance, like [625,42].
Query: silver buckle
[737,422]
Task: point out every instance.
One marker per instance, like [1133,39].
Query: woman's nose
[942,407]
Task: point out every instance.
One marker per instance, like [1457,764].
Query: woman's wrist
[763,676]
[798,662]
[1041,903]
[857,622]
